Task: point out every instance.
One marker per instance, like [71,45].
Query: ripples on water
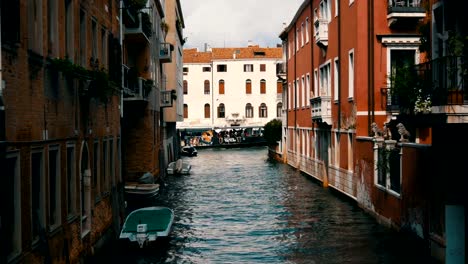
[239,207]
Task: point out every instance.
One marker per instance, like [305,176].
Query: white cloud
[232,23]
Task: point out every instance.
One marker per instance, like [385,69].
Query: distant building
[229,87]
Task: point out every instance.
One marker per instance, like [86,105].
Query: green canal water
[237,206]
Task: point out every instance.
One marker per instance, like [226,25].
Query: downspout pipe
[370,60]
[338,80]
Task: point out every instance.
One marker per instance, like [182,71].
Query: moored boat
[146,225]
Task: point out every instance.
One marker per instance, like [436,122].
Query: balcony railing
[140,30]
[406,11]
[134,90]
[165,52]
[321,109]
[321,32]
[281,70]
[443,80]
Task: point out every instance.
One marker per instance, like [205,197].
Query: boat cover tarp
[156,220]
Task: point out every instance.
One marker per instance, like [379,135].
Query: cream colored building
[226,87]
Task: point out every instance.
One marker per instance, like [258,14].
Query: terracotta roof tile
[251,52]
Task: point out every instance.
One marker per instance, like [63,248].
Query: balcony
[321,32]
[281,70]
[404,12]
[444,81]
[321,109]
[165,52]
[138,28]
[167,97]
[136,89]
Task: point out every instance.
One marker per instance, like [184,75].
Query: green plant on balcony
[164,27]
[405,87]
[100,85]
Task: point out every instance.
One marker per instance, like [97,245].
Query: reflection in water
[239,207]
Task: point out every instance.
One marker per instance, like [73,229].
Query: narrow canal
[239,207]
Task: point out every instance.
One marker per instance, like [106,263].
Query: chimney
[249,43]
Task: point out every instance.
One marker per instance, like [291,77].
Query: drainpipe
[339,64]
[2,143]
[370,77]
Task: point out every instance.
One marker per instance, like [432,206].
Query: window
[206,69]
[11,188]
[34,24]
[104,168]
[94,39]
[221,111]
[387,160]
[103,48]
[185,70]
[54,187]
[96,169]
[262,110]
[71,180]
[351,74]
[325,10]
[336,8]
[207,111]
[221,86]
[37,193]
[52,28]
[262,67]
[10,14]
[307,30]
[335,79]
[279,109]
[303,89]
[111,162]
[69,32]
[185,111]
[248,111]
[221,68]
[185,87]
[279,86]
[262,86]
[302,34]
[316,88]
[83,47]
[298,33]
[248,86]
[248,67]
[325,82]
[207,87]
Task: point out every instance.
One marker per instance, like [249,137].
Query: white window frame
[302,34]
[351,74]
[71,185]
[325,78]
[316,87]
[42,194]
[336,8]
[307,89]
[17,238]
[303,91]
[58,188]
[336,70]
[307,29]
[387,181]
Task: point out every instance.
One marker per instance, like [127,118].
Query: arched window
[185,87]
[279,108]
[207,87]
[248,111]
[262,110]
[279,86]
[248,86]
[207,111]
[221,86]
[185,111]
[262,86]
[221,111]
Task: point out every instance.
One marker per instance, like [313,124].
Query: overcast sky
[232,23]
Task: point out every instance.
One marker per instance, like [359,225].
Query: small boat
[138,191]
[178,167]
[188,151]
[145,225]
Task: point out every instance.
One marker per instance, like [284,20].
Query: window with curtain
[249,111]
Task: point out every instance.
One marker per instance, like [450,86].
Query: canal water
[237,206]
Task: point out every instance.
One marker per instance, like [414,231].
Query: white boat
[178,167]
[145,225]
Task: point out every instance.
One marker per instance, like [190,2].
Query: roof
[250,52]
